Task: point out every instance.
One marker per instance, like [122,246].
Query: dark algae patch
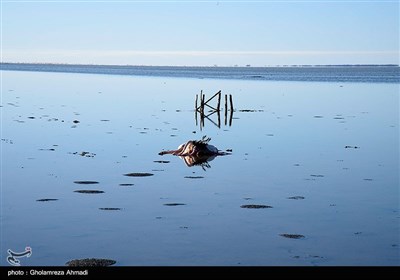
[351,147]
[91,262]
[89,191]
[174,204]
[84,154]
[138,174]
[86,182]
[292,236]
[250,110]
[255,206]
[296,197]
[46,199]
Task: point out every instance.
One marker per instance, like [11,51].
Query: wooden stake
[226,109]
[195,111]
[219,118]
[219,101]
[202,103]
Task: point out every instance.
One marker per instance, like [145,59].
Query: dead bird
[196,148]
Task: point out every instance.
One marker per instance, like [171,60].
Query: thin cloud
[193,53]
[236,53]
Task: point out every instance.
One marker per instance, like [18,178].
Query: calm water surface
[333,146]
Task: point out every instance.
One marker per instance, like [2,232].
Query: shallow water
[336,145]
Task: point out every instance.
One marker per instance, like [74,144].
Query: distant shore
[377,73]
[201,66]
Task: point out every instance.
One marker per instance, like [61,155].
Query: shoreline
[203,66]
[312,73]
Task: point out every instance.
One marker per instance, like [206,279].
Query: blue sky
[224,33]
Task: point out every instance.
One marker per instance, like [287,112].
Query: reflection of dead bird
[195,148]
[196,152]
[202,161]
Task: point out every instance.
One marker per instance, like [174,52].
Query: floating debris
[318,117]
[76,121]
[86,182]
[296,197]
[250,110]
[138,174]
[317,175]
[8,141]
[91,262]
[110,208]
[84,154]
[194,177]
[351,147]
[368,179]
[174,204]
[161,161]
[89,191]
[255,206]
[46,199]
[52,150]
[126,185]
[292,236]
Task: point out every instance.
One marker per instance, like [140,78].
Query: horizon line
[213,66]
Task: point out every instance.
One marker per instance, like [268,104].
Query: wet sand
[312,178]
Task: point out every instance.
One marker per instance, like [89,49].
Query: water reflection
[202,161]
[209,116]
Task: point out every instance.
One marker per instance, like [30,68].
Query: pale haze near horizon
[205,33]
